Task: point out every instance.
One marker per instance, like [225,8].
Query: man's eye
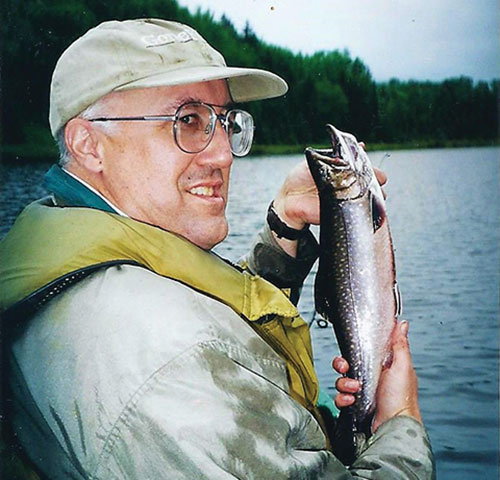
[234,127]
[190,119]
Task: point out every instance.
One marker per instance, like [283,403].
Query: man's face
[148,177]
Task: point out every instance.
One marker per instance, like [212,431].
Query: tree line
[325,87]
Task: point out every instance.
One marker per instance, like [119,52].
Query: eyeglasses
[194,126]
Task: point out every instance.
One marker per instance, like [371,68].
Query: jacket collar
[68,191]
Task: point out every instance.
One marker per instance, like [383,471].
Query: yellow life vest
[48,244]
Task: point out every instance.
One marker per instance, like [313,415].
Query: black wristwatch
[280,228]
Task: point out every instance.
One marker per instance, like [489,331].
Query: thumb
[400,344]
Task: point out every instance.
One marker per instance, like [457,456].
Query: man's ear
[82,141]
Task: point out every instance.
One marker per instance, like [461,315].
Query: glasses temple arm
[134,119]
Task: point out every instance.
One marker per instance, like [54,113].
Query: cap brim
[245,84]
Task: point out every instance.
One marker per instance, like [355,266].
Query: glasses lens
[240,129]
[195,123]
[194,127]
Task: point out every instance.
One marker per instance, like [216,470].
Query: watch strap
[280,228]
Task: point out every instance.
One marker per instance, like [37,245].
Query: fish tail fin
[344,440]
[349,437]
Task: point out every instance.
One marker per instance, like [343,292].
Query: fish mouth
[343,166]
[328,170]
[331,156]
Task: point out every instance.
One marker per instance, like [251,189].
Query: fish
[355,287]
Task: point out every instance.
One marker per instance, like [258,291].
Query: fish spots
[354,285]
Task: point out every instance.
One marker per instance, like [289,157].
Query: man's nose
[218,153]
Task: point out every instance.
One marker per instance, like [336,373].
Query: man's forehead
[166,99]
[215,92]
[172,103]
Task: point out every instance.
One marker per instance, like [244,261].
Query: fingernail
[352,383]
[405,326]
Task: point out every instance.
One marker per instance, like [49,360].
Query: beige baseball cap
[121,55]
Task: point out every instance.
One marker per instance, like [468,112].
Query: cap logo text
[167,38]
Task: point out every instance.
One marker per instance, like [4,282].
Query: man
[137,353]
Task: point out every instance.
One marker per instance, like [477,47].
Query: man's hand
[397,392]
[297,203]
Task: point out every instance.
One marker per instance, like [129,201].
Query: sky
[405,39]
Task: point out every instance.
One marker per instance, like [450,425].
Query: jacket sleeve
[267,259]
[208,415]
[400,449]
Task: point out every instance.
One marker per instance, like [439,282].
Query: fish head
[344,169]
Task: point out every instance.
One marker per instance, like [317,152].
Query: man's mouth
[203,191]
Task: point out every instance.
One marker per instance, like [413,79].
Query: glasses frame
[214,116]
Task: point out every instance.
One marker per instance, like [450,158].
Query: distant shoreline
[32,153]
[378,146]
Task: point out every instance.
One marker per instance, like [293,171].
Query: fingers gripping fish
[355,286]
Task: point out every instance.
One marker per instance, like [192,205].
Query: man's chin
[209,237]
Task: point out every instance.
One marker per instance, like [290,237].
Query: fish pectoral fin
[378,212]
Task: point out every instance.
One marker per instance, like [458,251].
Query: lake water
[443,208]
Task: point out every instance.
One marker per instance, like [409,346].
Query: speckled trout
[355,286]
